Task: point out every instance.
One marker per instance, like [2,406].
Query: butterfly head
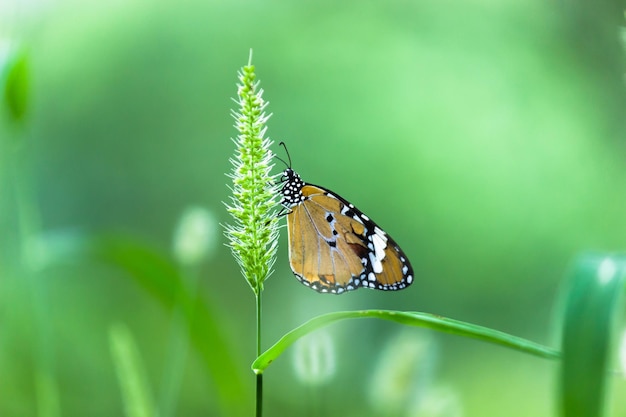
[292,188]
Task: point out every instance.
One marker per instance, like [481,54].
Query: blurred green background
[486,137]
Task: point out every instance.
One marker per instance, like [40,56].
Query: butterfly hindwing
[386,267]
[334,247]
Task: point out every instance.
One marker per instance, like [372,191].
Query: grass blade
[592,300]
[130,373]
[429,321]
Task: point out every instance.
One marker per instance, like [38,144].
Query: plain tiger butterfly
[333,246]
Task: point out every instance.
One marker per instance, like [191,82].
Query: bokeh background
[486,137]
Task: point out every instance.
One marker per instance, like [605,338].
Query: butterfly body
[334,247]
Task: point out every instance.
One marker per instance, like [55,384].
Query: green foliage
[593,300]
[16,84]
[159,276]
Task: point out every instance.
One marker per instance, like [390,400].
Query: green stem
[259,377]
[259,395]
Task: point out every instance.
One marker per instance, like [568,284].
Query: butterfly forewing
[334,247]
[322,245]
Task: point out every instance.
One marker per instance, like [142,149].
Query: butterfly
[333,246]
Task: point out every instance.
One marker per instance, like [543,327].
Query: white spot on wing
[380,244]
[376,265]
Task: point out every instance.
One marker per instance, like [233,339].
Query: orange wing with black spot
[334,247]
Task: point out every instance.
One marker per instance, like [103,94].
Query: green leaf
[591,303]
[425,320]
[16,85]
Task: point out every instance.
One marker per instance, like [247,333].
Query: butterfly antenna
[288,156]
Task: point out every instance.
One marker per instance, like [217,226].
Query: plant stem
[259,377]
[259,395]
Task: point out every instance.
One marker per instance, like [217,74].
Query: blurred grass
[594,297]
[132,378]
[14,76]
[159,276]
[486,138]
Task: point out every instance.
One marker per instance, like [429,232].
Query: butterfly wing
[334,247]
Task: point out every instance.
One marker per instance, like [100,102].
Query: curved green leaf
[591,302]
[429,321]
